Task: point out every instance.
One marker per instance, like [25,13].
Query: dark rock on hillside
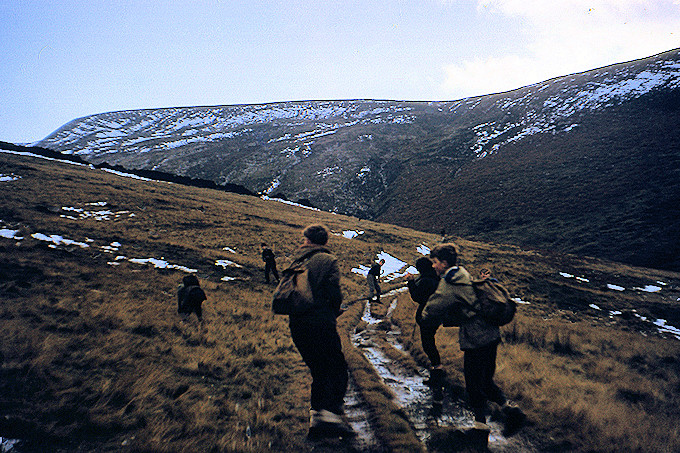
[587,163]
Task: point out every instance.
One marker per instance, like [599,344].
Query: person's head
[424,266]
[443,257]
[317,234]
[263,245]
[381,262]
[190,280]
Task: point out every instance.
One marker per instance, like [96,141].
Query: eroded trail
[378,341]
[357,416]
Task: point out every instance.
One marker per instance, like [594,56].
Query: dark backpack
[493,302]
[293,294]
[190,298]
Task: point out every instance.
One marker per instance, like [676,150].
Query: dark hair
[445,252]
[317,234]
[190,280]
[424,266]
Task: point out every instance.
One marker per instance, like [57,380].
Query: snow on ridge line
[217,118]
[558,107]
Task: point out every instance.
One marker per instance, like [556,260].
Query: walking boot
[478,435]
[436,377]
[324,424]
[514,418]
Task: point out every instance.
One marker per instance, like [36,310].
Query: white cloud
[491,75]
[568,36]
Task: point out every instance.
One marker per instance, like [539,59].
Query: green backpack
[493,303]
[293,294]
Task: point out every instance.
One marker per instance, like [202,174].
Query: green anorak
[324,279]
[455,288]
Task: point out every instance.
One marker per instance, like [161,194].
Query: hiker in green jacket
[316,338]
[478,339]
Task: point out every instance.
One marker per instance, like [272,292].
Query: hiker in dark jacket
[478,339]
[421,288]
[190,296]
[269,263]
[373,280]
[316,338]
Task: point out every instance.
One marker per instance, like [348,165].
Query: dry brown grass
[94,356]
[584,387]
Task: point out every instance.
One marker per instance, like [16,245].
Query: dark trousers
[373,288]
[429,346]
[270,267]
[427,339]
[319,345]
[479,367]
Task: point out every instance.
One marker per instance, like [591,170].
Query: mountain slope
[609,188]
[589,158]
[95,357]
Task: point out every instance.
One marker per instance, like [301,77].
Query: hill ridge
[366,157]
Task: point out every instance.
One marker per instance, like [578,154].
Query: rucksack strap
[307,256]
[467,304]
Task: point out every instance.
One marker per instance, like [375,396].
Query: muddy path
[357,415]
[433,423]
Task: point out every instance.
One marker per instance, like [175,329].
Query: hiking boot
[478,435]
[437,394]
[324,424]
[436,378]
[481,426]
[514,419]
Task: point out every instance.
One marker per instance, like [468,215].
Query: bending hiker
[190,296]
[373,279]
[421,288]
[478,339]
[269,263]
[316,338]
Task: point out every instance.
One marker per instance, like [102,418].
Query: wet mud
[356,414]
[439,426]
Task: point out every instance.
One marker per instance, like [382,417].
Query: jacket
[324,280]
[456,288]
[268,256]
[422,287]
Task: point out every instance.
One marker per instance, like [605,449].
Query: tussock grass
[584,387]
[94,356]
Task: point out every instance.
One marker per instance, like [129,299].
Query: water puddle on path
[411,394]
[357,416]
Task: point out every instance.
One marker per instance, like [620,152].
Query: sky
[65,59]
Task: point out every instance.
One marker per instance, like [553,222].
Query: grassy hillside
[94,356]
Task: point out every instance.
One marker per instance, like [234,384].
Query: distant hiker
[421,287]
[478,339]
[269,263]
[373,279]
[190,296]
[316,338]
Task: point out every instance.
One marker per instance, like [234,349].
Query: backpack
[493,302]
[293,294]
[455,316]
[190,298]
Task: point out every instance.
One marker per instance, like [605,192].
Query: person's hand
[484,273]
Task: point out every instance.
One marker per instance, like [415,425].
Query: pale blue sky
[65,59]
